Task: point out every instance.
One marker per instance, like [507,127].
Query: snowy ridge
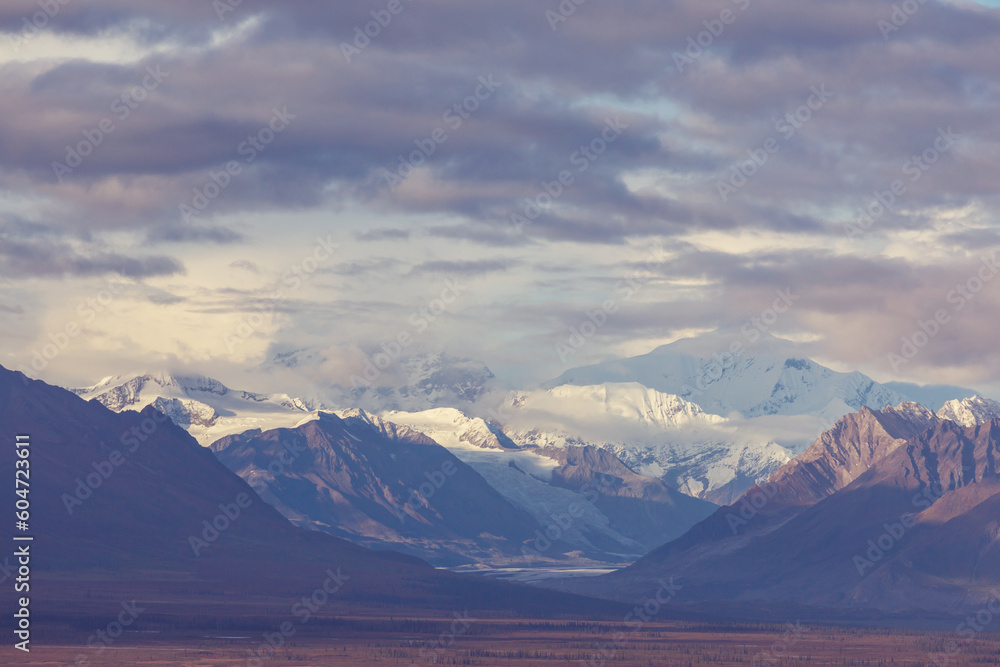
[750,385]
[547,483]
[657,435]
[520,475]
[203,406]
[625,400]
[455,427]
[970,411]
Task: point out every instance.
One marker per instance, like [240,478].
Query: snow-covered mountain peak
[207,408]
[767,377]
[453,429]
[913,412]
[970,411]
[119,392]
[627,400]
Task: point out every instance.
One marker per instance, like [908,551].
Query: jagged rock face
[186,413]
[474,431]
[895,510]
[381,484]
[620,512]
[645,509]
[847,451]
[121,392]
[970,411]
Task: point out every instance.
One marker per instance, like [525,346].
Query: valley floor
[517,643]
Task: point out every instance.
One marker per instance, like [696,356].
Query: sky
[205,185]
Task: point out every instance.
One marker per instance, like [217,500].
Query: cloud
[34,250]
[191,234]
[470,158]
[383,235]
[245,265]
[465,268]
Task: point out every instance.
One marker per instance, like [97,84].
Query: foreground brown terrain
[407,642]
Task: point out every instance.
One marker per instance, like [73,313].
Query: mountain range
[649,453]
[203,406]
[621,514]
[381,485]
[896,510]
[891,507]
[128,506]
[768,378]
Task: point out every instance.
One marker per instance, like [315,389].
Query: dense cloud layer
[843,149]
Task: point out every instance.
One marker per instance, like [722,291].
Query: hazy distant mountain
[415,382]
[755,409]
[932,396]
[894,510]
[766,378]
